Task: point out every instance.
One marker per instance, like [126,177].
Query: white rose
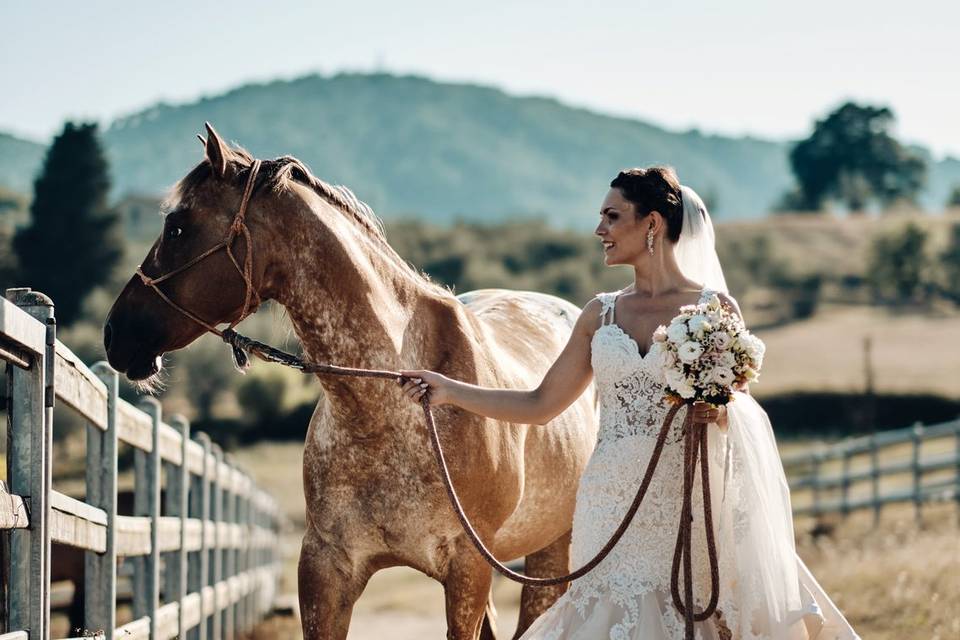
[672,377]
[723,376]
[685,388]
[713,302]
[727,359]
[689,351]
[721,340]
[677,332]
[698,324]
[752,346]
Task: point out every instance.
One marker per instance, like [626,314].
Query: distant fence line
[864,463]
[216,539]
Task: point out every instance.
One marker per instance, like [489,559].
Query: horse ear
[218,154]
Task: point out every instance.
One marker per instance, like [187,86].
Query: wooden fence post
[146,597]
[100,572]
[216,575]
[875,478]
[816,458]
[200,562]
[956,488]
[230,551]
[30,441]
[845,484]
[917,473]
[178,487]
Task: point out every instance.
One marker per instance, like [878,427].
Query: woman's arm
[563,383]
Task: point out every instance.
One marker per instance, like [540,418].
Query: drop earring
[650,241]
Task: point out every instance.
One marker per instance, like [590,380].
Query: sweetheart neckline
[633,341]
[636,345]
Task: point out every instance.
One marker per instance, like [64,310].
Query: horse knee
[329,585]
[467,593]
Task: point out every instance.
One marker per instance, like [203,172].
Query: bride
[663,231]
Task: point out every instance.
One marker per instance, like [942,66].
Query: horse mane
[280,173]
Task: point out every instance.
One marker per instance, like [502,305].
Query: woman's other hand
[418,383]
[705,413]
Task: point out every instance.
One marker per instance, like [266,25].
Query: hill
[19,162]
[413,146]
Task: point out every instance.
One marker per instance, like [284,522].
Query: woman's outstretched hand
[419,382]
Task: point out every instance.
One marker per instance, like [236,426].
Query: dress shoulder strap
[608,301]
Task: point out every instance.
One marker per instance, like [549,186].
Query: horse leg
[466,589]
[328,586]
[488,628]
[552,560]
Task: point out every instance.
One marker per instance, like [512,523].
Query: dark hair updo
[654,189]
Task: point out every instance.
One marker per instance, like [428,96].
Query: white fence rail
[213,540]
[917,464]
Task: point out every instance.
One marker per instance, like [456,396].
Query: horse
[374,494]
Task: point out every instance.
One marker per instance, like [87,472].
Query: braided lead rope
[271,354]
[695,440]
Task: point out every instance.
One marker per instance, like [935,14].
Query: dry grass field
[898,581]
[912,352]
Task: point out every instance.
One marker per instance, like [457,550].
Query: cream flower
[723,376]
[677,332]
[660,335]
[689,351]
[720,339]
[685,388]
[698,324]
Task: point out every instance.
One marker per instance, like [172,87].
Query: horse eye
[174,232]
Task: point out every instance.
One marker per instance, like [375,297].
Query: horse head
[201,271]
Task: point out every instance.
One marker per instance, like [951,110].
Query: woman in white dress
[663,231]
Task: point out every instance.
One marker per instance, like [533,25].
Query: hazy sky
[748,66]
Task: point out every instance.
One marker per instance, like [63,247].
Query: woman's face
[624,237]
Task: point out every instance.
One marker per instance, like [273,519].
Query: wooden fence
[213,540]
[916,464]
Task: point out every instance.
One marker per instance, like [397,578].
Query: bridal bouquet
[705,354]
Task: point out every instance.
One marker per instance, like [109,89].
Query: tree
[852,157]
[898,265]
[954,199]
[950,264]
[72,242]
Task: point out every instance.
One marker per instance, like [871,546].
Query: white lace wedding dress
[627,596]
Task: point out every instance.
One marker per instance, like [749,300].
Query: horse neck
[353,302]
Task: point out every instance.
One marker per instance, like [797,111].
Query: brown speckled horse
[374,497]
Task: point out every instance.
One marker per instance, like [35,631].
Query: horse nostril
[107,335]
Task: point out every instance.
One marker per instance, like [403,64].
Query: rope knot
[239,346]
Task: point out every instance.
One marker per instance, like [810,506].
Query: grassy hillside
[19,162]
[439,151]
[411,145]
